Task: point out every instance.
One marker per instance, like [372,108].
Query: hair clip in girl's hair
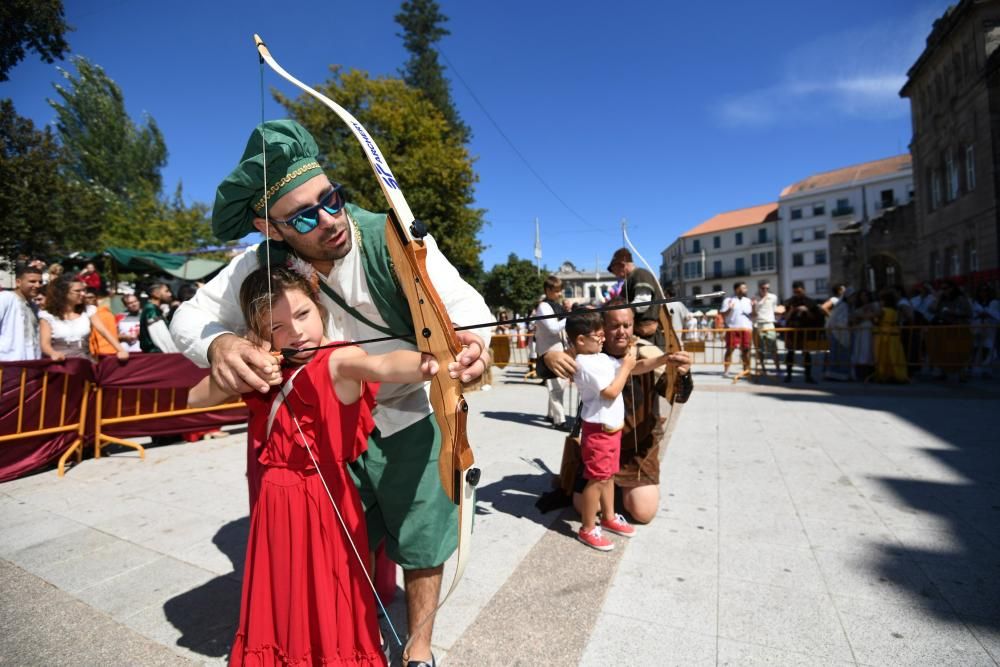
[306,270]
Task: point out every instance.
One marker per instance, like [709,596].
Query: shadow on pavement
[518,417]
[515,495]
[207,616]
[961,563]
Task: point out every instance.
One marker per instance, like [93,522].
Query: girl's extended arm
[207,393]
[350,366]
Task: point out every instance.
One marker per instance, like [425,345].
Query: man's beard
[319,251]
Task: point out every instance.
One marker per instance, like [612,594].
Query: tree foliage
[514,286]
[105,147]
[431,165]
[34,198]
[422,23]
[116,165]
[38,25]
[92,184]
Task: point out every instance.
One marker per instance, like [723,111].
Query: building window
[797,236]
[970,168]
[796,214]
[593,292]
[819,208]
[696,245]
[568,292]
[819,257]
[952,170]
[762,235]
[822,286]
[762,261]
[716,241]
[819,233]
[954,261]
[692,270]
[971,258]
[843,207]
[935,265]
[797,259]
[695,291]
[717,269]
[739,238]
[741,266]
[887,199]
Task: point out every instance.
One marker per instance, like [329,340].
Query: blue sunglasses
[306,220]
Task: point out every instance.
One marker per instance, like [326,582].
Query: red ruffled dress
[306,600]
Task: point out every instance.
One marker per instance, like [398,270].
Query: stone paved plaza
[834,525]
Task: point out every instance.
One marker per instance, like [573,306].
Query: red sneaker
[618,525]
[595,540]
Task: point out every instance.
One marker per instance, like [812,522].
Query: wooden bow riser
[434,334]
[672,345]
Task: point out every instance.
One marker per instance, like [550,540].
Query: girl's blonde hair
[257,294]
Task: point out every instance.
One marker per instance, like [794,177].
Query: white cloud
[856,73]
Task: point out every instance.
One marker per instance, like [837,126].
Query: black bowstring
[289,352]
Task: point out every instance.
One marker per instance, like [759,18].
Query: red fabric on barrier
[138,380]
[24,455]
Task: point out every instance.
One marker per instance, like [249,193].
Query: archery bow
[673,342]
[673,391]
[434,331]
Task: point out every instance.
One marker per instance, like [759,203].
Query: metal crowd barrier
[949,348]
[43,410]
[50,409]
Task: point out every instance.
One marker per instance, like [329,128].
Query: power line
[510,143]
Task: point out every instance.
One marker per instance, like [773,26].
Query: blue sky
[661,113]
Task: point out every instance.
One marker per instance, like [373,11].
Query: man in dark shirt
[802,313]
[640,286]
[151,314]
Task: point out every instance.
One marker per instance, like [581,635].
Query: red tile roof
[741,217]
[849,175]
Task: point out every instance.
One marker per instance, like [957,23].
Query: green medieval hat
[290,152]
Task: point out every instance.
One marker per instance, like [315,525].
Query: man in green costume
[312,228]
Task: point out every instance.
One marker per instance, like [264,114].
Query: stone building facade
[888,255]
[954,93]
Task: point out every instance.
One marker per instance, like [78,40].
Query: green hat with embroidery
[282,149]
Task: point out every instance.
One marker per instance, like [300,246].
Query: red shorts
[599,451]
[737,338]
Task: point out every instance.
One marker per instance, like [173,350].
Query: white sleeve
[464,304]
[214,310]
[553,325]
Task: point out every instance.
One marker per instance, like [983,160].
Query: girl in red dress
[306,596]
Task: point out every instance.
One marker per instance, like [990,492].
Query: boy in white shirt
[600,379]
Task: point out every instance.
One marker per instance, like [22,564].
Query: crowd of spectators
[56,313]
[884,336]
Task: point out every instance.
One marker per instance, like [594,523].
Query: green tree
[431,165]
[35,198]
[35,24]
[422,23]
[514,286]
[105,147]
[114,167]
